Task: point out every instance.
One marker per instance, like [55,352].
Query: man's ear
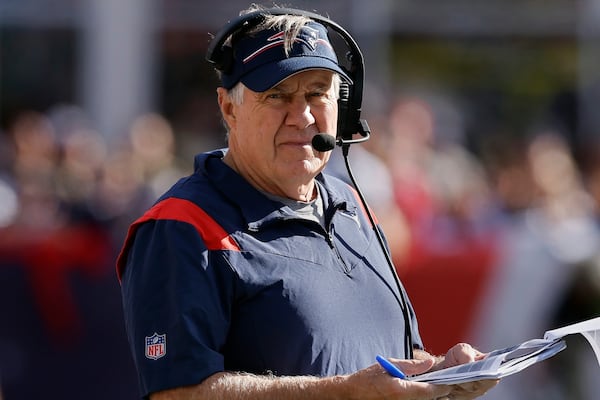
[227,107]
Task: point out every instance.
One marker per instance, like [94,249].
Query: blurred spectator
[153,148]
[443,191]
[549,233]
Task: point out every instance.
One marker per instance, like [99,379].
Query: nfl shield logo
[156,346]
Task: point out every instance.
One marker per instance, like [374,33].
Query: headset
[220,56]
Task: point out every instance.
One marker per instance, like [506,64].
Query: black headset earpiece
[221,56]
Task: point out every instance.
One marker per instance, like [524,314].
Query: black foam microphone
[323,142]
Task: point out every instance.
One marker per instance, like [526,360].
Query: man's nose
[299,114]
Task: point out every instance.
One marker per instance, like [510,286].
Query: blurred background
[483,168]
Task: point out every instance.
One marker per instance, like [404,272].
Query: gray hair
[290,24]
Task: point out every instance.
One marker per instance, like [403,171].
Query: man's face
[271,132]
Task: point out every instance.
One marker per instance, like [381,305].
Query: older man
[259,277]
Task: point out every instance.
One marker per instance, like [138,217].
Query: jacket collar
[256,208]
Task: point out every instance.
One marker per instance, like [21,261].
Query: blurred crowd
[495,245]
[68,195]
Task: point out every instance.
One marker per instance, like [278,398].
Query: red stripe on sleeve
[214,236]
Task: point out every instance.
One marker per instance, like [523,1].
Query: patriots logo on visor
[307,35]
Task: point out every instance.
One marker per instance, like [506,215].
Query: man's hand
[461,353]
[375,383]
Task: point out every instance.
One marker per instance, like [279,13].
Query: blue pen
[390,368]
